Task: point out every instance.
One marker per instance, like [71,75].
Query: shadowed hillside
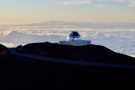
[48,65]
[86,53]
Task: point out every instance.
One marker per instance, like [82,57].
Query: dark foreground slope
[46,65]
[94,53]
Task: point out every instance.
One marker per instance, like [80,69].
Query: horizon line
[71,22]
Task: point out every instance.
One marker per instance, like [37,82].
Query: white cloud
[97,3]
[120,0]
[77,2]
[131,3]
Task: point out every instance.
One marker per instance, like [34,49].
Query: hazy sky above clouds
[30,11]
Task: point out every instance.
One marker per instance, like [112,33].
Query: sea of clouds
[119,37]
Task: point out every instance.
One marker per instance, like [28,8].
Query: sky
[33,11]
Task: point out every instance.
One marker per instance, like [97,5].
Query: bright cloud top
[79,2]
[131,3]
[98,3]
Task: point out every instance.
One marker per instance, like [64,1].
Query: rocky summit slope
[94,53]
[50,65]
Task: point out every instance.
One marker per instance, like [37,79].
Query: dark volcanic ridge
[87,53]
[50,65]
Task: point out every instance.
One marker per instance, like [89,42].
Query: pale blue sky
[30,11]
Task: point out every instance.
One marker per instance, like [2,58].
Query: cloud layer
[77,2]
[98,3]
[131,3]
